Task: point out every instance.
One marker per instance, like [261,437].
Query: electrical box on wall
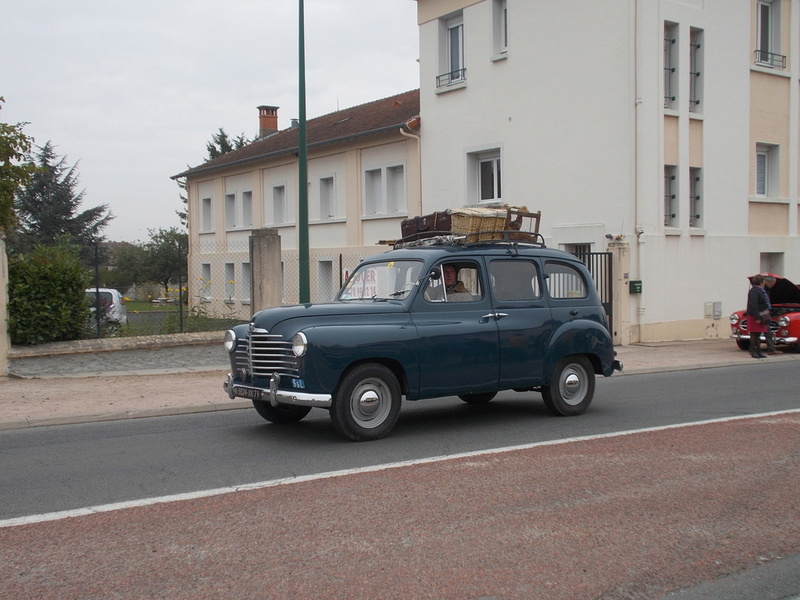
[635,286]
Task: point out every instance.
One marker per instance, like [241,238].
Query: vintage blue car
[438,318]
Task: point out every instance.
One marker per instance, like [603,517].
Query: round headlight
[299,344]
[734,319]
[229,341]
[784,321]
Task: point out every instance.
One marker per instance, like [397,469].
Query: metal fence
[220,276]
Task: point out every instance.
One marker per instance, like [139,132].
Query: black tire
[572,387]
[366,403]
[478,398]
[281,414]
[743,344]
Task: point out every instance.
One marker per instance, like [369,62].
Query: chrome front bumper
[273,395]
[778,340]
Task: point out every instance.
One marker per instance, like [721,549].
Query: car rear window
[565,281]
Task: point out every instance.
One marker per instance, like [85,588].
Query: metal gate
[599,265]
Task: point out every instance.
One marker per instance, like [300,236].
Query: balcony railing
[770,59]
[451,78]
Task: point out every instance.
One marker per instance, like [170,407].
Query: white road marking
[90,510]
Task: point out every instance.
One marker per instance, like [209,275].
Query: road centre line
[90,510]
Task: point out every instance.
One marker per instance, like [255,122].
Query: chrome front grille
[267,354]
[241,356]
[743,326]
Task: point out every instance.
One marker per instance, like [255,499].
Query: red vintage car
[785,323]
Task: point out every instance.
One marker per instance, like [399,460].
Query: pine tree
[48,208]
[221,144]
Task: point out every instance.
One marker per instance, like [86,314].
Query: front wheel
[572,388]
[366,404]
[743,344]
[282,413]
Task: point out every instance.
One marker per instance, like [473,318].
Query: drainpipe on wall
[413,125]
[638,230]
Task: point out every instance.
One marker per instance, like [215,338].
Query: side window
[460,282]
[565,281]
[515,280]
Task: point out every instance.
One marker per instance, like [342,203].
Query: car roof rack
[478,238]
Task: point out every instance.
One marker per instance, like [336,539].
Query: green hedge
[46,295]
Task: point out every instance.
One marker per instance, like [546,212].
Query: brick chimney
[267,120]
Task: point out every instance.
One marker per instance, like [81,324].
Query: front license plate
[245,392]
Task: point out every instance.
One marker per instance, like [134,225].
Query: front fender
[582,337]
[332,349]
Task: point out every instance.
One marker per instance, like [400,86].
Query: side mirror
[435,274]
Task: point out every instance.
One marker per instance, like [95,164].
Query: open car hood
[783,292]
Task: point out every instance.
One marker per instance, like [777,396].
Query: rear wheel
[366,404]
[282,413]
[478,398]
[572,387]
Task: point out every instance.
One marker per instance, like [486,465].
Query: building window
[247,283]
[670,65]
[327,198]
[695,197]
[239,215]
[206,219]
[766,170]
[453,52]
[500,18]
[247,209]
[768,43]
[205,282]
[230,211]
[670,196]
[325,289]
[279,207]
[395,189]
[230,282]
[696,52]
[385,191]
[490,179]
[762,168]
[484,177]
[373,193]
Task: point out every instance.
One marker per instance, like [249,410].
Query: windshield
[393,279]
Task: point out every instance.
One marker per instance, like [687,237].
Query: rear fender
[585,337]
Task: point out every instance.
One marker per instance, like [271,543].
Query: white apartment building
[665,128]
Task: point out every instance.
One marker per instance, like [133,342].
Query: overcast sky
[133,91]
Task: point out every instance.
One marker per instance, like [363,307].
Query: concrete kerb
[170,411]
[145,342]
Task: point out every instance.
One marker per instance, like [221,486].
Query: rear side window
[515,280]
[565,281]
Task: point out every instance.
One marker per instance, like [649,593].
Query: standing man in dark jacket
[757,315]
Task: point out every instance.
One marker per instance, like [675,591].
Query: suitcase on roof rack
[437,223]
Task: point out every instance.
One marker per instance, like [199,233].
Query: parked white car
[112,305]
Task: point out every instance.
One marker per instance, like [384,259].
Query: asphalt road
[62,468]
[45,469]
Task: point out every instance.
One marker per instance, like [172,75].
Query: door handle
[573,312]
[494,316]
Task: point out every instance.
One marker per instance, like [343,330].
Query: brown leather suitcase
[437,223]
